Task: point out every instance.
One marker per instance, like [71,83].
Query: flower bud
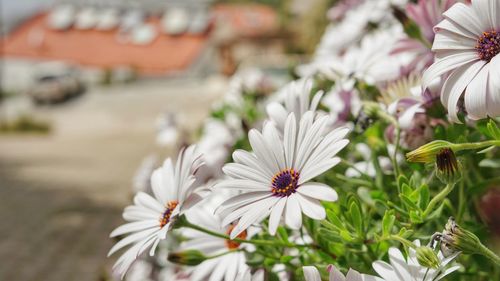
[447,166]
[427,152]
[458,239]
[427,257]
[189,257]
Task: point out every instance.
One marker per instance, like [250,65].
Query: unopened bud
[427,257]
[447,166]
[427,152]
[458,239]
[189,257]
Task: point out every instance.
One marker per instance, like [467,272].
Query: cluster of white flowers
[274,178]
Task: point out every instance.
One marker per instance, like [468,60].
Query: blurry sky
[13,11]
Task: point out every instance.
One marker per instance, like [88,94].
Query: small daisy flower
[296,97]
[274,178]
[467,45]
[311,273]
[409,269]
[224,268]
[150,218]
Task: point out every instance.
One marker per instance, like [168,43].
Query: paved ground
[61,195]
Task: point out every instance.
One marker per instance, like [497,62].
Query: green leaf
[286,259]
[408,202]
[424,197]
[388,222]
[415,217]
[357,221]
[334,219]
[493,130]
[282,233]
[346,236]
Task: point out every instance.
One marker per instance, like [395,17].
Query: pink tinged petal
[276,215]
[446,64]
[249,159]
[311,273]
[335,274]
[260,210]
[240,171]
[446,40]
[465,17]
[455,85]
[449,27]
[134,226]
[263,152]
[311,207]
[192,200]
[147,201]
[317,169]
[476,95]
[293,214]
[273,141]
[289,140]
[385,270]
[493,102]
[318,191]
[246,185]
[398,262]
[406,120]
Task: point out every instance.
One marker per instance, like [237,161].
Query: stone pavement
[62,194]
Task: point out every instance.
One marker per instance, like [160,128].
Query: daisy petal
[318,191]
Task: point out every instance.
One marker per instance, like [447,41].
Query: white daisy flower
[402,269]
[312,274]
[275,177]
[296,97]
[467,45]
[150,217]
[248,276]
[225,267]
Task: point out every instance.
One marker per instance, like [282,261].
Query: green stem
[474,145]
[255,242]
[395,154]
[489,254]
[401,240]
[438,198]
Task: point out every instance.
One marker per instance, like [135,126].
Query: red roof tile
[101,49]
[248,19]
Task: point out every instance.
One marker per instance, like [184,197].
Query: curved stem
[475,145]
[395,154]
[489,254]
[438,198]
[401,240]
[255,242]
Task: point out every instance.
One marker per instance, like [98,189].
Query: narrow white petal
[134,226]
[276,214]
[242,184]
[318,191]
[385,270]
[240,171]
[317,169]
[476,95]
[493,97]
[464,16]
[147,201]
[293,214]
[399,264]
[446,64]
[311,273]
[263,152]
[311,207]
[289,139]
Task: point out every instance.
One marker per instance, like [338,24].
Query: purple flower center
[488,45]
[285,183]
[165,218]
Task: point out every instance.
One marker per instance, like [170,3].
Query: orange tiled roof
[248,19]
[101,49]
